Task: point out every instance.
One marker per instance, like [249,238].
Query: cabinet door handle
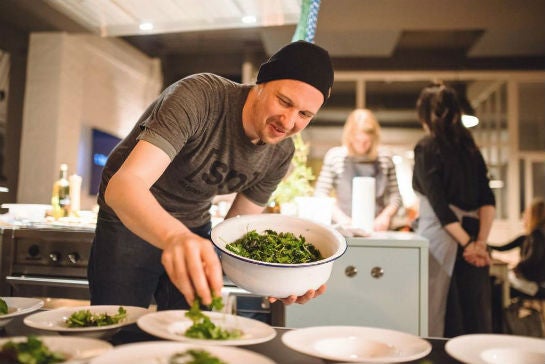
[351,271]
[377,272]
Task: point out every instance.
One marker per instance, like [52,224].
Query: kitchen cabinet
[381,281]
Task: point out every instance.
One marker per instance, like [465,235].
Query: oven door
[43,286]
[243,303]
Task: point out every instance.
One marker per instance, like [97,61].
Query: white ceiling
[124,17]
[347,28]
[372,35]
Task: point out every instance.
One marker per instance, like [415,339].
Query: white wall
[76,83]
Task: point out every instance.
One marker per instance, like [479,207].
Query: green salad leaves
[32,351]
[85,318]
[203,327]
[274,247]
[195,356]
[3,307]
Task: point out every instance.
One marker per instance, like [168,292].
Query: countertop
[274,349]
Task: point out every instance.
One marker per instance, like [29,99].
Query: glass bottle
[60,198]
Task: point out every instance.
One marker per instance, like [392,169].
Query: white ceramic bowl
[55,320]
[512,356]
[18,306]
[275,279]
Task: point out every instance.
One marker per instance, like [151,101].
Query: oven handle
[59,282]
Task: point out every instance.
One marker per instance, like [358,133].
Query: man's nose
[289,119]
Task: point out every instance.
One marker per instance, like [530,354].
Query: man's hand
[193,267]
[311,293]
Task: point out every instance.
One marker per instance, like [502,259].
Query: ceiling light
[470,121]
[145,26]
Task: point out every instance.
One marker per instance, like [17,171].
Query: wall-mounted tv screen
[102,144]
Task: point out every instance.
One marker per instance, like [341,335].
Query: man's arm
[243,206]
[189,260]
[128,194]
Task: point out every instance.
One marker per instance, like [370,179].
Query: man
[204,136]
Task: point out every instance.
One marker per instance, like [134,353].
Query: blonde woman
[359,156]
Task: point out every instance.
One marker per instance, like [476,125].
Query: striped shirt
[336,161]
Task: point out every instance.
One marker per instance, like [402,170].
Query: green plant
[297,181]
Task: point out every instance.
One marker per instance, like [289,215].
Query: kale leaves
[274,247]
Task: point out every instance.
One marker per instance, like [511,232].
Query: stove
[45,262]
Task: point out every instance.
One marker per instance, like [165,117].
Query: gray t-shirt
[197,121]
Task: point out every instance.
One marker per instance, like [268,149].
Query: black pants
[126,270]
[469,301]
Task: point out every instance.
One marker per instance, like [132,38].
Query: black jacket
[532,255]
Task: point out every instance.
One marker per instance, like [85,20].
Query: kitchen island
[381,281]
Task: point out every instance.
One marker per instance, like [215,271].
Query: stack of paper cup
[75,193]
[363,203]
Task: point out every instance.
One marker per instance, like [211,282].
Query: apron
[443,250]
[353,168]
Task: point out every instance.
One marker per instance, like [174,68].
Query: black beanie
[302,61]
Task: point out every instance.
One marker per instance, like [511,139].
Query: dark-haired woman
[456,211]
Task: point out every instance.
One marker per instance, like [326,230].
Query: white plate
[357,344]
[73,348]
[477,348]
[172,324]
[158,353]
[55,320]
[19,306]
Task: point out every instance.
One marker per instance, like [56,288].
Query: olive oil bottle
[60,198]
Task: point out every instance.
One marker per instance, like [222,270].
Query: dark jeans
[126,270]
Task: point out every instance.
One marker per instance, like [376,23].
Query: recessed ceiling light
[249,19]
[146,26]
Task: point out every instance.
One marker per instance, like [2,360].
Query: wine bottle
[60,199]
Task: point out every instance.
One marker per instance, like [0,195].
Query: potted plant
[297,181]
